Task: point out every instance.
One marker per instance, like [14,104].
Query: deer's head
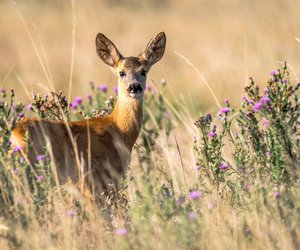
[131,71]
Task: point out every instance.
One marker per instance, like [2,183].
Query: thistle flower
[78,100]
[89,97]
[192,216]
[102,88]
[41,157]
[148,87]
[257,106]
[17,149]
[40,177]
[179,202]
[121,232]
[212,134]
[224,166]
[265,100]
[70,213]
[266,123]
[116,90]
[195,195]
[20,115]
[29,107]
[16,171]
[276,195]
[225,110]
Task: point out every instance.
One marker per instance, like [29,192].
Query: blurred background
[227,41]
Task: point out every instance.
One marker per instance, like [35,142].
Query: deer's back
[90,147]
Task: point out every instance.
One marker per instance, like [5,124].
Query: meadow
[216,165]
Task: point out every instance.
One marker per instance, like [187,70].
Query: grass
[238,189]
[224,180]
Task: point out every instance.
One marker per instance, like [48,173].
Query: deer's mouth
[135,89]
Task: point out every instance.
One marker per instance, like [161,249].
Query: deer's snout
[135,89]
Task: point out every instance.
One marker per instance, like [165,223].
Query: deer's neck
[128,117]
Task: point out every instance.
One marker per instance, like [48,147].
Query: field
[216,165]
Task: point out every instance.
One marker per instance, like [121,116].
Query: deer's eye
[143,72]
[122,73]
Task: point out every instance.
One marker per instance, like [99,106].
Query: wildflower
[210,205]
[224,166]
[41,157]
[192,215]
[20,115]
[73,105]
[70,213]
[266,123]
[21,159]
[17,149]
[250,102]
[284,81]
[248,186]
[225,110]
[16,171]
[148,87]
[42,109]
[30,107]
[195,195]
[198,168]
[116,90]
[89,97]
[121,232]
[276,195]
[179,202]
[257,106]
[78,100]
[212,134]
[268,154]
[226,101]
[265,99]
[273,73]
[40,177]
[102,88]
[265,91]
[12,93]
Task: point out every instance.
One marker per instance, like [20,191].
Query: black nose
[135,88]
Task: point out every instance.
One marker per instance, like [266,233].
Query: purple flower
[73,105]
[224,166]
[179,202]
[265,99]
[266,123]
[70,213]
[192,215]
[210,205]
[274,72]
[226,101]
[121,232]
[42,109]
[89,97]
[257,106]
[102,88]
[148,87]
[30,107]
[276,195]
[250,102]
[16,171]
[116,90]
[41,157]
[265,91]
[78,100]
[268,154]
[40,177]
[248,186]
[212,134]
[198,168]
[20,115]
[21,159]
[284,81]
[225,110]
[195,195]
[17,149]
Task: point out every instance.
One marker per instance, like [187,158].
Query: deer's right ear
[107,51]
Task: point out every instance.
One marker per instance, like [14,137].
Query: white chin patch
[135,94]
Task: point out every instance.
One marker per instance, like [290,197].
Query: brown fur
[98,148]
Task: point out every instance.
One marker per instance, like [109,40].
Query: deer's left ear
[155,49]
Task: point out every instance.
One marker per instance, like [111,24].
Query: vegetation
[239,190]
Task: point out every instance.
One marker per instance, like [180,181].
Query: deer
[97,150]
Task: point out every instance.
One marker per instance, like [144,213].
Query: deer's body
[98,147]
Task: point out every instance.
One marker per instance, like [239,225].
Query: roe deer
[99,148]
